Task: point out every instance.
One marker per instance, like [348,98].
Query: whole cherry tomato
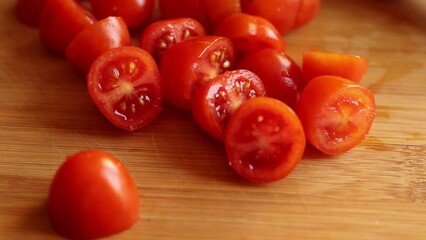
[185,8]
[159,36]
[336,113]
[190,63]
[281,76]
[250,33]
[264,140]
[108,33]
[307,12]
[215,101]
[92,196]
[217,10]
[61,21]
[29,12]
[317,63]
[125,85]
[135,13]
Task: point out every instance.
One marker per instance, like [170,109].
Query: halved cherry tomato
[135,13]
[29,12]
[307,12]
[215,101]
[264,140]
[90,43]
[317,63]
[281,76]
[159,36]
[217,10]
[92,196]
[185,8]
[61,21]
[336,113]
[250,33]
[190,63]
[281,13]
[125,85]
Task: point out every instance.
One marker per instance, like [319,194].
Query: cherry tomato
[29,12]
[190,63]
[185,8]
[125,85]
[281,13]
[90,43]
[307,12]
[281,76]
[317,63]
[264,140]
[215,101]
[91,196]
[159,36]
[61,21]
[135,13]
[336,113]
[217,10]
[250,33]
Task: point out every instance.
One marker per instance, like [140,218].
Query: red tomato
[61,21]
[336,113]
[190,63]
[317,63]
[91,196]
[185,8]
[125,85]
[135,13]
[215,101]
[217,10]
[29,12]
[264,140]
[250,33]
[281,76]
[90,43]
[159,36]
[307,12]
[281,13]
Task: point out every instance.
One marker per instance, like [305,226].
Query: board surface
[375,191]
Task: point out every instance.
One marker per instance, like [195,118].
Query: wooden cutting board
[375,191]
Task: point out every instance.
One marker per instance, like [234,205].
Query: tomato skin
[184,8]
[217,10]
[190,63]
[307,12]
[125,85]
[92,195]
[29,12]
[250,33]
[264,140]
[215,101]
[281,13]
[135,13]
[317,63]
[336,113]
[61,21]
[280,74]
[90,43]
[159,36]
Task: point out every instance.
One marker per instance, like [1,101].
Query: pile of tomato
[225,62]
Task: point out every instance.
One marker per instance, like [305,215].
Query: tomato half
[215,101]
[281,76]
[317,63]
[61,21]
[125,85]
[307,12]
[185,8]
[92,196]
[90,43]
[336,113]
[250,33]
[29,12]
[281,13]
[159,36]
[190,63]
[135,13]
[264,140]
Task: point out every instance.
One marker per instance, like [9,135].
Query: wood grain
[375,191]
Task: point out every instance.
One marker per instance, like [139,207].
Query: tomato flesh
[264,140]
[125,85]
[336,113]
